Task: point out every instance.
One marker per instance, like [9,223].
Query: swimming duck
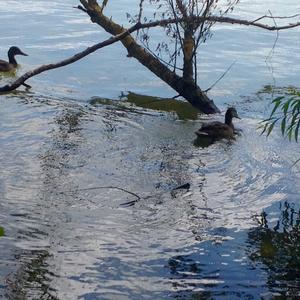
[218,130]
[12,63]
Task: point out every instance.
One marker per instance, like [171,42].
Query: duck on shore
[218,130]
[12,63]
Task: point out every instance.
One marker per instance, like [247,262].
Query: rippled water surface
[88,208]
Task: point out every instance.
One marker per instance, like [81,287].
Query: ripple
[65,226]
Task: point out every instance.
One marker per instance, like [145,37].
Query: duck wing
[215,130]
[5,66]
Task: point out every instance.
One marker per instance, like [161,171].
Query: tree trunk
[188,51]
[186,88]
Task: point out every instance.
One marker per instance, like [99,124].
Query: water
[86,188]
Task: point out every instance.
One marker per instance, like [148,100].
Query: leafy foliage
[286,112]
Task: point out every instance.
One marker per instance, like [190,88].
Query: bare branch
[141,10]
[220,78]
[278,17]
[21,80]
[104,3]
[216,19]
[80,8]
[181,8]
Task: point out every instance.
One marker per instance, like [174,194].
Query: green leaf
[2,231]
[286,105]
[277,102]
[295,102]
[293,121]
[290,134]
[297,130]
[296,108]
[270,128]
[265,126]
[283,123]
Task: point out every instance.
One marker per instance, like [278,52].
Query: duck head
[230,114]
[15,51]
[12,52]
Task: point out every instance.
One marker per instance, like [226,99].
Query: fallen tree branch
[21,80]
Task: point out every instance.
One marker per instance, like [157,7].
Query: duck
[12,64]
[218,130]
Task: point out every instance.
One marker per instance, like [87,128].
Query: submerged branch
[108,187]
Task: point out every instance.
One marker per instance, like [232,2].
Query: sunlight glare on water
[87,198]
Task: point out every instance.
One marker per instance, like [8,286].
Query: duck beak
[22,53]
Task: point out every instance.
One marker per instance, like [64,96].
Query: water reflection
[35,194]
[178,243]
[67,242]
[272,247]
[31,281]
[276,244]
[132,102]
[201,272]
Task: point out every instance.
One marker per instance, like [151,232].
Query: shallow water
[86,187]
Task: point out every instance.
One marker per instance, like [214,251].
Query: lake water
[87,206]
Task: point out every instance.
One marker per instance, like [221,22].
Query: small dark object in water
[12,63]
[185,186]
[218,130]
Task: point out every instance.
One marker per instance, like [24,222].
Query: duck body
[11,64]
[218,130]
[215,130]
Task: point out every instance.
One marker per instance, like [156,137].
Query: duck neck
[228,120]
[12,60]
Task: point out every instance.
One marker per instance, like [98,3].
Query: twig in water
[130,203]
[185,186]
[220,78]
[175,97]
[26,85]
